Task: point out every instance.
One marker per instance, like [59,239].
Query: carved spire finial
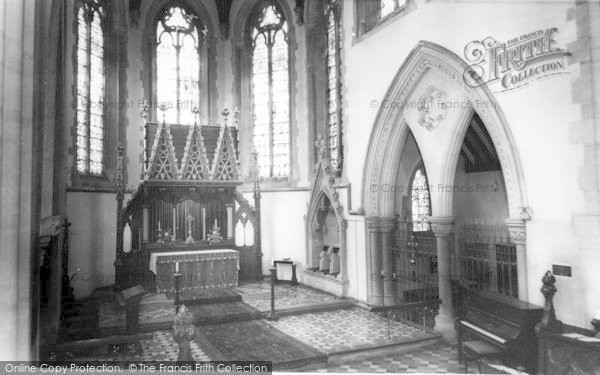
[225,114]
[145,111]
[163,109]
[196,113]
[549,317]
[321,146]
[256,175]
[236,118]
[120,175]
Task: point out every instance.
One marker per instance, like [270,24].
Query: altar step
[312,308]
[95,347]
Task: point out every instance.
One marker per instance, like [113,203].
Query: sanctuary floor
[315,332]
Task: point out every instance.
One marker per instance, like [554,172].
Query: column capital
[381,224]
[516,231]
[442,225]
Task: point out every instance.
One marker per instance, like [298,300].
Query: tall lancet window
[271,92]
[333,84]
[421,207]
[90,78]
[178,64]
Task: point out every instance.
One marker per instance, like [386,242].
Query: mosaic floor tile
[157,308]
[439,358]
[162,347]
[258,295]
[348,329]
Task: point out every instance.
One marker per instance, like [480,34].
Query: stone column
[516,232]
[380,256]
[443,228]
[19,176]
[343,254]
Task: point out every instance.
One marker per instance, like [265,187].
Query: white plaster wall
[538,115]
[283,227]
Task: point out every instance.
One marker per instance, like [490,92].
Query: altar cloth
[200,269]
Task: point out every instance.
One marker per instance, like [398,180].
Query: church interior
[404,186]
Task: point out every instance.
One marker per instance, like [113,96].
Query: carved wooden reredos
[324,199]
[162,163]
[188,204]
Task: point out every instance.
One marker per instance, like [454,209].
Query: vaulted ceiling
[478,149]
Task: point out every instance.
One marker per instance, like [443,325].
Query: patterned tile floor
[156,308]
[258,295]
[328,332]
[439,358]
[348,329]
[162,347]
[334,331]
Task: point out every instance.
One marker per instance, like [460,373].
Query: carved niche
[324,203]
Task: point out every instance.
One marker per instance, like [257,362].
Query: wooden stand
[177,277]
[293,280]
[272,315]
[130,299]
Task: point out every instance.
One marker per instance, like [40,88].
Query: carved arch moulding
[389,129]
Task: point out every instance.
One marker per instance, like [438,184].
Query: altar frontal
[200,270]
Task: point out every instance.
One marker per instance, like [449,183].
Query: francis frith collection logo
[516,62]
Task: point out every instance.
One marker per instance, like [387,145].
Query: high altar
[188,217]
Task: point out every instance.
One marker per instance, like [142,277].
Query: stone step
[313,307]
[99,346]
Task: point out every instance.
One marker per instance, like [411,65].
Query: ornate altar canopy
[188,213]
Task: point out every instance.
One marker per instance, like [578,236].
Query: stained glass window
[271,92]
[333,84]
[390,6]
[421,207]
[178,65]
[90,87]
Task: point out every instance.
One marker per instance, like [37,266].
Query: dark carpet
[207,296]
[256,341]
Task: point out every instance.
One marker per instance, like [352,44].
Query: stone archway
[427,67]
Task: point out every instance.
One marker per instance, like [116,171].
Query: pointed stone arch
[390,130]
[427,66]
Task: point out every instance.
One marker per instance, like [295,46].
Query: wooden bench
[475,350]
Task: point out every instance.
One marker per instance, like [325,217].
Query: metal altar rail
[421,313]
[487,259]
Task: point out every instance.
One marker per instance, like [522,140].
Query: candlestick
[189,238]
[174,223]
